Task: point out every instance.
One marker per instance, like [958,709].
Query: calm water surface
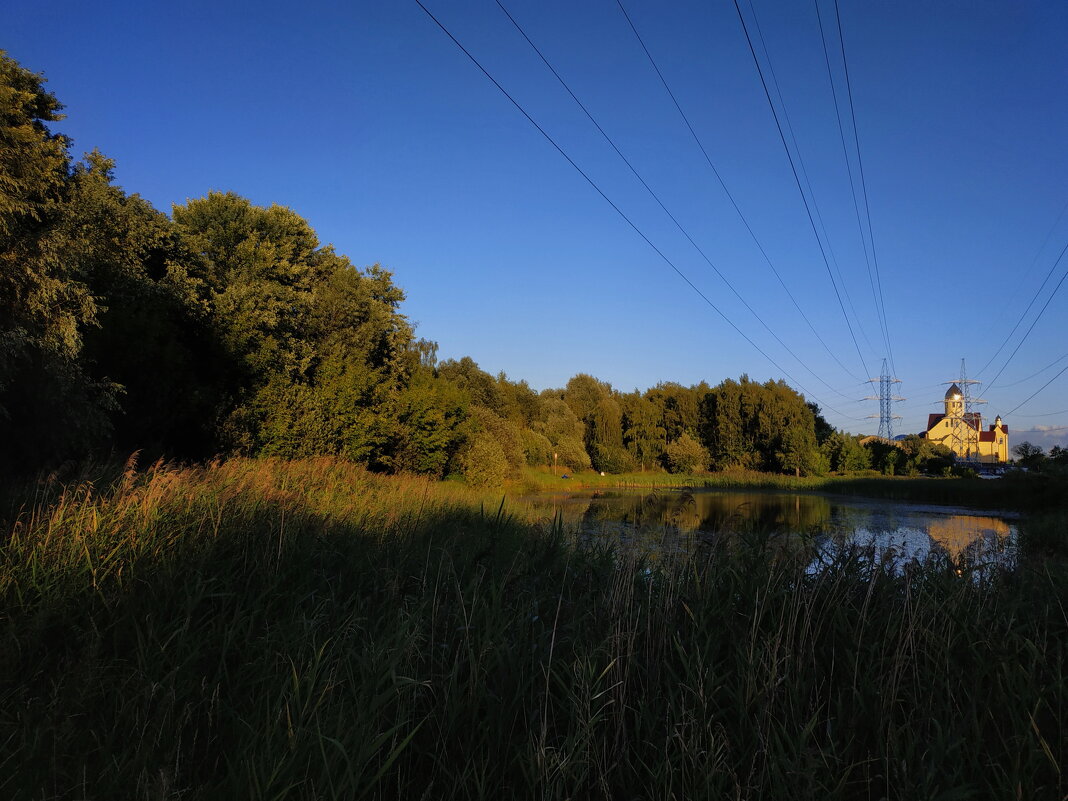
[668,521]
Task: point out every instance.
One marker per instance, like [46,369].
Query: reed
[265,629]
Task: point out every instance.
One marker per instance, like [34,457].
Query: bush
[686,455]
[537,448]
[571,453]
[611,459]
[484,463]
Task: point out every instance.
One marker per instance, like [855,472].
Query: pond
[669,521]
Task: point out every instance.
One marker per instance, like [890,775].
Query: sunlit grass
[263,629]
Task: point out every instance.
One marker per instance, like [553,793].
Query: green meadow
[306,629]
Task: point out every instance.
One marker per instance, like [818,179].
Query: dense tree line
[228,328]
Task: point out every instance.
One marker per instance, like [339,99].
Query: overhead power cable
[877,291]
[1047,414]
[1033,394]
[660,202]
[1025,311]
[727,191]
[618,210]
[804,175]
[1023,278]
[1035,321]
[797,179]
[1036,373]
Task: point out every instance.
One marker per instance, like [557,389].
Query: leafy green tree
[537,448]
[152,339]
[679,407]
[886,457]
[426,427]
[480,386]
[505,433]
[564,431]
[845,454]
[1029,455]
[50,407]
[686,455]
[519,403]
[484,462]
[764,426]
[823,429]
[643,435]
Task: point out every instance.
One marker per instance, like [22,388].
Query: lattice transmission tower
[887,399]
[962,427]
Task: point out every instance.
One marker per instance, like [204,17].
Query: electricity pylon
[967,422]
[887,399]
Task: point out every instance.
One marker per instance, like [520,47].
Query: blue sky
[368,121]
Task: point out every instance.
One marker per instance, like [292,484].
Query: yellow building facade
[962,432]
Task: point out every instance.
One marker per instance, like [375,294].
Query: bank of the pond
[1015,490]
[266,629]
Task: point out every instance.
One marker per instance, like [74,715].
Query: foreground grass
[307,630]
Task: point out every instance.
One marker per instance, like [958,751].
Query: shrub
[612,459]
[484,463]
[686,455]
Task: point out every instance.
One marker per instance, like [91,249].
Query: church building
[962,432]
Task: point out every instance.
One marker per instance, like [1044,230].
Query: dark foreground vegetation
[264,629]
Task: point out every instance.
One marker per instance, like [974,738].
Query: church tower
[954,402]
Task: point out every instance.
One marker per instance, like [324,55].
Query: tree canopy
[228,328]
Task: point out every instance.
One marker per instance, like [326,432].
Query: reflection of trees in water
[704,511]
[667,521]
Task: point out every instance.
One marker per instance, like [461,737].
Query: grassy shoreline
[267,629]
[1010,492]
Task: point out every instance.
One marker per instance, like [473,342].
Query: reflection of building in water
[962,432]
[955,533]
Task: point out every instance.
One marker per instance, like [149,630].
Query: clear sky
[366,119]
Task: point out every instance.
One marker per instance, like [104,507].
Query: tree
[823,429]
[1030,456]
[764,426]
[484,462]
[643,435]
[564,431]
[845,454]
[480,386]
[50,408]
[686,455]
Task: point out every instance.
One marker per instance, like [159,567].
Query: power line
[656,197]
[1032,395]
[1030,269]
[1047,414]
[1024,314]
[616,208]
[804,175]
[793,168]
[880,301]
[1035,321]
[1037,373]
[726,190]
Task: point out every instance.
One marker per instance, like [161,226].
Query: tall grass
[266,630]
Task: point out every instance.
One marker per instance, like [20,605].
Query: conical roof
[953,391]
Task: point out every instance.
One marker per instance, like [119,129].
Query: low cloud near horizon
[1043,436]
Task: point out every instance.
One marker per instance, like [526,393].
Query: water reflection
[671,521]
